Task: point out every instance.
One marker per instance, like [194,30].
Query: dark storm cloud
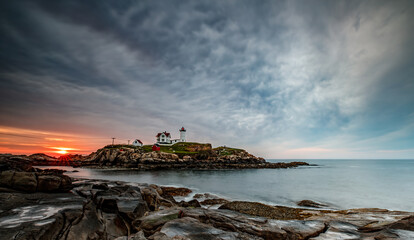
[278,75]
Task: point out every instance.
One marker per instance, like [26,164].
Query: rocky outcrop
[173,191]
[256,227]
[114,210]
[39,159]
[193,204]
[310,203]
[214,201]
[17,174]
[137,159]
[365,223]
[262,210]
[208,199]
[190,228]
[153,222]
[33,181]
[92,210]
[15,162]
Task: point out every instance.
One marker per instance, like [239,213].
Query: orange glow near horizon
[28,141]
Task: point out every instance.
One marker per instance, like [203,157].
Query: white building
[164,138]
[137,143]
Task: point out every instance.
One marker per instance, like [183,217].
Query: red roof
[166,134]
[138,141]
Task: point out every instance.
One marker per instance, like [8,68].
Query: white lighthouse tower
[182,134]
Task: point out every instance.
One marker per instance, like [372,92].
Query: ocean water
[342,184]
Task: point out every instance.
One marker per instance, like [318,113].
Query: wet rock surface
[214,201]
[364,223]
[34,181]
[259,209]
[17,174]
[91,210]
[173,191]
[190,228]
[96,209]
[310,203]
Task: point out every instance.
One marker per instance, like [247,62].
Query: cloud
[280,75]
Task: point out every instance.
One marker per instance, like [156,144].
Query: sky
[281,79]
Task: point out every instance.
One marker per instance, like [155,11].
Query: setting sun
[62,150]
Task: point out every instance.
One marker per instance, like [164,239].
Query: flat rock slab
[189,228]
[24,214]
[370,223]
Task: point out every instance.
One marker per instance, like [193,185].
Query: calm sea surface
[342,184]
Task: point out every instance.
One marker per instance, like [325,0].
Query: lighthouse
[182,134]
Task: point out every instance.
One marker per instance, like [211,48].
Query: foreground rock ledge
[116,210]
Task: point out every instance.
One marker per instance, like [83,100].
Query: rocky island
[182,155]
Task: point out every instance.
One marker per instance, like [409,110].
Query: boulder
[262,210]
[204,195]
[101,186]
[90,225]
[124,200]
[24,181]
[6,178]
[155,220]
[310,203]
[394,230]
[48,183]
[16,163]
[403,224]
[151,197]
[174,191]
[65,183]
[193,204]
[157,188]
[214,201]
[34,181]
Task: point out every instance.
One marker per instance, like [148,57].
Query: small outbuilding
[156,147]
[137,143]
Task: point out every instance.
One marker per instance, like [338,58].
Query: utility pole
[128,141]
[113,139]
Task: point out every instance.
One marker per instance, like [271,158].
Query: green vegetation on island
[222,151]
[182,148]
[119,146]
